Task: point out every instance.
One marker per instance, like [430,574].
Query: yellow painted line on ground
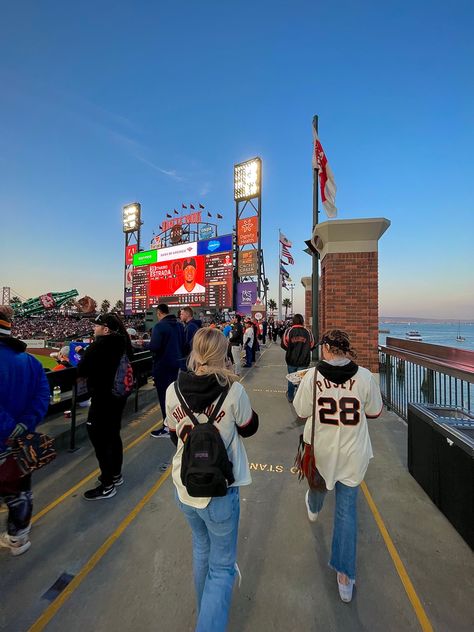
[93,474]
[52,609]
[407,585]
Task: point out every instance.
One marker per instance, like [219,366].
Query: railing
[73,391]
[426,374]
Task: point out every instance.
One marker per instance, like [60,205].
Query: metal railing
[417,372]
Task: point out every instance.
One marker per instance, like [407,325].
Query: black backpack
[205,466]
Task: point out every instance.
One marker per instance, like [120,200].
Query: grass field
[46,361]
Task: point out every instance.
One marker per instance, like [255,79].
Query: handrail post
[388,381]
[72,436]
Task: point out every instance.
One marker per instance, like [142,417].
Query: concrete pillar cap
[348,235]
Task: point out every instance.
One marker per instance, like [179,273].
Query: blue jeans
[344,535]
[291,387]
[248,356]
[214,530]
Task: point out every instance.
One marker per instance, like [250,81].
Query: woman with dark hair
[345,395]
[99,366]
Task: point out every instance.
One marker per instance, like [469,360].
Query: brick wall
[349,301]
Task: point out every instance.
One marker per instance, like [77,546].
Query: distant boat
[414,335]
[384,331]
[460,338]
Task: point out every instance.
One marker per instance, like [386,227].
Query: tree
[105,306]
[118,307]
[286,304]
[272,305]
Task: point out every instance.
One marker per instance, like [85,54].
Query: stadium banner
[180,251]
[145,258]
[34,344]
[76,351]
[129,252]
[247,231]
[215,245]
[247,263]
[206,231]
[246,297]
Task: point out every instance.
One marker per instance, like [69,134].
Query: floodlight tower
[248,206]
[132,221]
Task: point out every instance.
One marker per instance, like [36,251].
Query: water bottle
[56,395]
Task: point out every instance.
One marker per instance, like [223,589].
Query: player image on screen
[190,286]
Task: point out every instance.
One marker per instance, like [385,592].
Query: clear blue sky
[108,102]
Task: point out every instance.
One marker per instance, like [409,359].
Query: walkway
[127,561]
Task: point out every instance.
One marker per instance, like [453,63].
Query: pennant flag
[201,206]
[327,184]
[284,273]
[208,214]
[176,212]
[286,242]
[219,216]
[183,206]
[192,207]
[168,215]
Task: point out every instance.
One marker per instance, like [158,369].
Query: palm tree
[118,307]
[286,304]
[272,305]
[105,306]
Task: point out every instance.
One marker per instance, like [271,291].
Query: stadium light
[247,179]
[131,217]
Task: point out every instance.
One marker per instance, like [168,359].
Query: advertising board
[247,231]
[245,297]
[248,263]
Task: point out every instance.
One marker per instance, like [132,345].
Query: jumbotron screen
[198,274]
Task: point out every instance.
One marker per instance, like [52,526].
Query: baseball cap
[189,262]
[336,338]
[108,320]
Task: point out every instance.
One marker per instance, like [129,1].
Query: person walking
[24,400]
[168,350]
[214,521]
[346,395]
[249,339]
[298,343]
[98,366]
[191,325]
[236,339]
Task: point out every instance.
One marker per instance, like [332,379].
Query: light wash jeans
[215,530]
[344,535]
[291,387]
[236,351]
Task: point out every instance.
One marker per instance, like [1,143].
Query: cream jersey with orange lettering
[341,442]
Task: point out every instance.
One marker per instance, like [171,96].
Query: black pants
[103,426]
[19,500]
[162,380]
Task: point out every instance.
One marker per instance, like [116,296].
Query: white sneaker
[345,590]
[17,545]
[312,516]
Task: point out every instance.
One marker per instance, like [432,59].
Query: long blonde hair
[208,355]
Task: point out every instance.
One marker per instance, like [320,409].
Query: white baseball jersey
[341,441]
[235,411]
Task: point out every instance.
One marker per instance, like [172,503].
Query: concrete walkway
[129,567]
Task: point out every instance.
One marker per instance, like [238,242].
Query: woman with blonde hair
[211,392]
[343,396]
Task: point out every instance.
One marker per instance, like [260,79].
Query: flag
[286,253]
[286,242]
[192,207]
[284,273]
[201,206]
[161,227]
[168,215]
[219,216]
[327,184]
[176,212]
[283,283]
[183,206]
[208,214]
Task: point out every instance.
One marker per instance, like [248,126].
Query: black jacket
[100,362]
[236,337]
[298,342]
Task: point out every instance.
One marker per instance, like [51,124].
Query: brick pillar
[349,282]
[308,301]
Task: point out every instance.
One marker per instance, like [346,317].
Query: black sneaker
[162,432]
[100,492]
[117,480]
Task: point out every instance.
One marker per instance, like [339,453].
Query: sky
[106,103]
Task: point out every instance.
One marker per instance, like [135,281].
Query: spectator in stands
[248,341]
[346,396]
[62,359]
[168,349]
[99,365]
[298,343]
[24,400]
[191,325]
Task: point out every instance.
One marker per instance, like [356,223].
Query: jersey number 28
[347,412]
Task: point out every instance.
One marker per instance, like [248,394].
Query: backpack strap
[189,412]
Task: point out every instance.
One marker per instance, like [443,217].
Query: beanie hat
[6,316]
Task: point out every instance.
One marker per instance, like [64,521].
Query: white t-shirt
[341,436]
[196,289]
[235,411]
[249,335]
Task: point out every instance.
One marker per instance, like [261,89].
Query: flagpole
[315,267]
[279,274]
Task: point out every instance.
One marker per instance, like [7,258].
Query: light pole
[291,287]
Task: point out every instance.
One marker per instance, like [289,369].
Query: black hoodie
[337,374]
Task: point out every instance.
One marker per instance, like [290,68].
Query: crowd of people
[206,413]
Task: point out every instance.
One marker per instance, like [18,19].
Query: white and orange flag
[327,184]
